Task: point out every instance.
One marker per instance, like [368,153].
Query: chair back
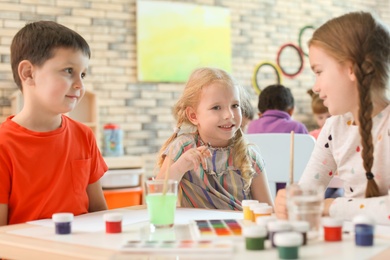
[275,150]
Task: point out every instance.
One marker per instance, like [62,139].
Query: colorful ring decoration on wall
[257,69]
[300,37]
[300,54]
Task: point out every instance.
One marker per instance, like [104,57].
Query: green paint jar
[288,244]
[254,237]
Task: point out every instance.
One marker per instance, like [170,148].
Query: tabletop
[37,240]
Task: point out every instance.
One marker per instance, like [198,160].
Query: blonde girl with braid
[350,57]
[207,153]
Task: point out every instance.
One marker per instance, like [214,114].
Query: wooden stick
[292,158]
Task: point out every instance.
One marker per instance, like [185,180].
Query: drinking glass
[306,203]
[161,198]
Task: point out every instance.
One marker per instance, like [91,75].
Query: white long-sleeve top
[338,148]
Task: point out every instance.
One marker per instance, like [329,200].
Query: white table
[36,240]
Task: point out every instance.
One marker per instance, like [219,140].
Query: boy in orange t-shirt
[49,163]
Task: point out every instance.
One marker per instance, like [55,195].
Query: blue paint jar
[364,230]
[63,223]
[113,140]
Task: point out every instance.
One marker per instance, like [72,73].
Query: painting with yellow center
[175,38]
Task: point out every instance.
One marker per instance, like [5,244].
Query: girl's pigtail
[161,154]
[364,77]
[241,158]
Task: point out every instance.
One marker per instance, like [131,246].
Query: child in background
[214,165]
[320,112]
[354,49]
[48,162]
[276,105]
[248,112]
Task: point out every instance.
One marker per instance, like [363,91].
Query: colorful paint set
[183,246]
[217,228]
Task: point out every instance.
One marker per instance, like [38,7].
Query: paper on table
[94,222]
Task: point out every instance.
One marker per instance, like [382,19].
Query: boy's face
[58,83]
[218,115]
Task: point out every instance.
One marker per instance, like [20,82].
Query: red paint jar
[333,229]
[113,222]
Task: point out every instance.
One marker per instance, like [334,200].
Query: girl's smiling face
[335,82]
[218,114]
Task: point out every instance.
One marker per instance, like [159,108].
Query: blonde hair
[317,104]
[362,40]
[190,97]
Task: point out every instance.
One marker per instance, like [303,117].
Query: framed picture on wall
[175,38]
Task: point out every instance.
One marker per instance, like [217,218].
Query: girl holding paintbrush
[207,153]
[350,56]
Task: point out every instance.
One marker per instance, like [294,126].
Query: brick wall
[143,110]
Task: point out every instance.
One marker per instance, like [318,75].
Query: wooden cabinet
[85,112]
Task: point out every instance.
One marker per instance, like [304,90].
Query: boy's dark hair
[36,42]
[276,97]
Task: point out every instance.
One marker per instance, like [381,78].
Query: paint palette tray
[216,229]
[180,246]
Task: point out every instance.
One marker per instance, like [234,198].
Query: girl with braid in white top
[350,57]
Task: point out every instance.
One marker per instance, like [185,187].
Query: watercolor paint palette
[217,228]
[182,246]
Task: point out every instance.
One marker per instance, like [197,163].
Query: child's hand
[193,158]
[280,204]
[327,204]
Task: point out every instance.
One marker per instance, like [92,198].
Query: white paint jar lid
[363,219]
[113,217]
[300,226]
[263,210]
[288,239]
[279,225]
[248,202]
[332,222]
[265,219]
[254,231]
[62,217]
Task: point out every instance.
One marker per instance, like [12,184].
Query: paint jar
[263,221]
[275,227]
[245,208]
[254,237]
[262,211]
[113,222]
[113,140]
[364,230]
[288,244]
[63,223]
[302,227]
[332,229]
[254,206]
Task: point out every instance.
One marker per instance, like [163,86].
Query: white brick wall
[259,28]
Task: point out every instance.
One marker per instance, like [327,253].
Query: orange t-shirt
[42,173]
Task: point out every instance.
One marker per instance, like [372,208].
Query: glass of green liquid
[161,198]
